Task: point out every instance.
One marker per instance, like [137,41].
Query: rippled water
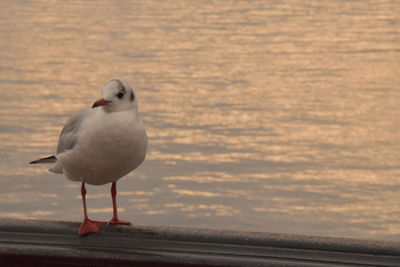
[278,116]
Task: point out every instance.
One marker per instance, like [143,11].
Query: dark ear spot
[132,96]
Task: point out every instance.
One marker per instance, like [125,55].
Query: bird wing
[69,133]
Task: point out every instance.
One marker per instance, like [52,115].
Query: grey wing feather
[69,133]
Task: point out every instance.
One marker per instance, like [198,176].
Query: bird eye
[120,95]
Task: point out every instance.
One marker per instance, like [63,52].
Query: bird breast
[109,147]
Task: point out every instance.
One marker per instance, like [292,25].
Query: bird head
[118,95]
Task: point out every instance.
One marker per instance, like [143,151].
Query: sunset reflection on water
[262,116]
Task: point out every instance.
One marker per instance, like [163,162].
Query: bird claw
[90,226]
[114,221]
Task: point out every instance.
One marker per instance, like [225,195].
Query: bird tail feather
[48,159]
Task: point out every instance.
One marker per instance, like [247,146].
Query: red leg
[88,226]
[115,219]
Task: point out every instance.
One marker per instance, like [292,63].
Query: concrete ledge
[52,243]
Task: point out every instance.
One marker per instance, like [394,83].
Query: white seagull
[101,144]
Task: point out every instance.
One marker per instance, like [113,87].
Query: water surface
[277,116]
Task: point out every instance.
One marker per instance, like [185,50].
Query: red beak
[100,102]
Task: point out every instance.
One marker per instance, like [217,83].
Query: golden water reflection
[264,116]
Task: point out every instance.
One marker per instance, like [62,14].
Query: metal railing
[53,243]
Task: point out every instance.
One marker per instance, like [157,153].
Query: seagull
[101,144]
